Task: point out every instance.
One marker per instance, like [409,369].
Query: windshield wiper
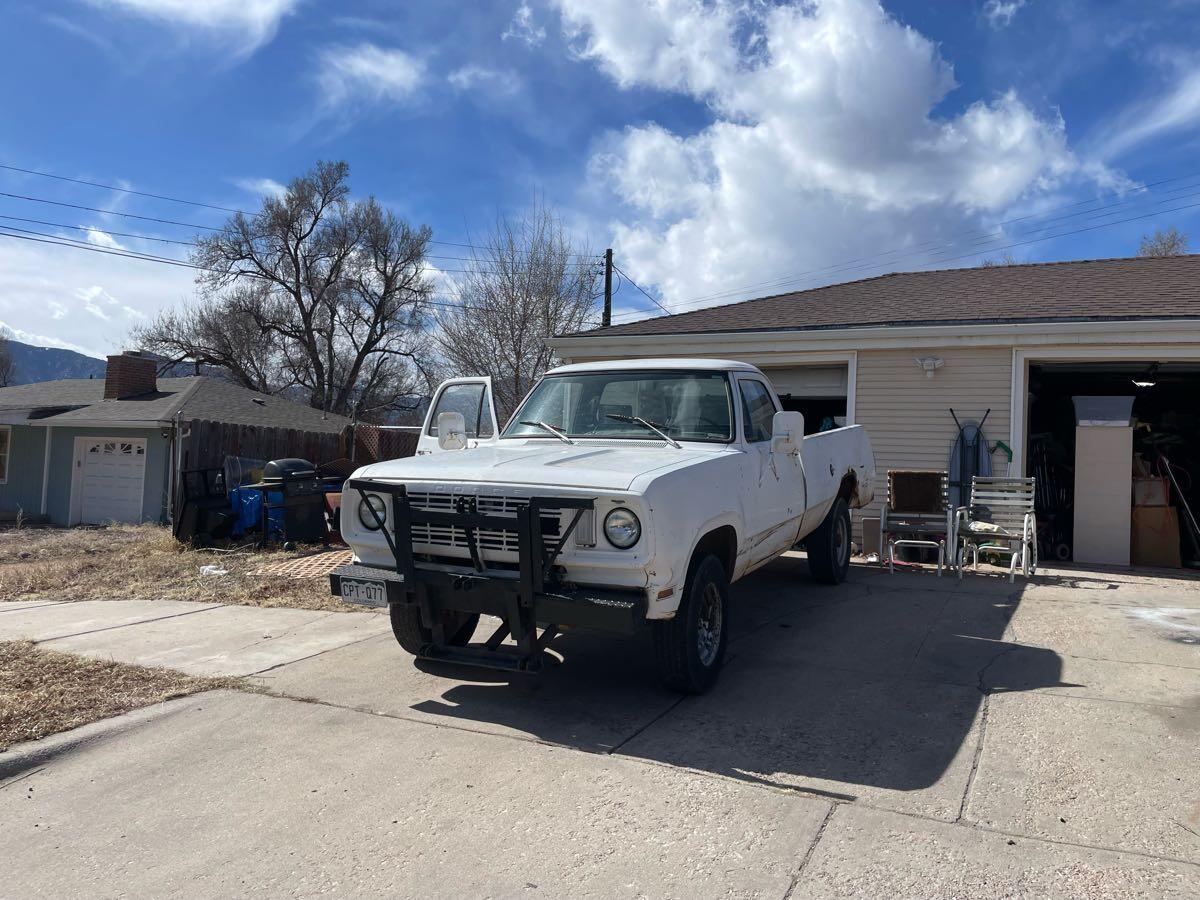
[653,426]
[550,428]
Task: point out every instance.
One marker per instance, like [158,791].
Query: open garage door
[819,392]
[1162,454]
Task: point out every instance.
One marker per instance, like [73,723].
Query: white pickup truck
[620,497]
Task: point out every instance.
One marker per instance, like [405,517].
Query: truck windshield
[688,406]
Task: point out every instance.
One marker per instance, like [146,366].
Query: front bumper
[618,612]
[533,595]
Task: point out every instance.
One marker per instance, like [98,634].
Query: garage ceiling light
[1147,380]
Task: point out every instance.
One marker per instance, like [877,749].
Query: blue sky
[724,149]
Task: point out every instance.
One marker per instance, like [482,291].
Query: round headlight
[622,528]
[365,505]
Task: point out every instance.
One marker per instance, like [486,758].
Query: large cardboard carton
[1154,536]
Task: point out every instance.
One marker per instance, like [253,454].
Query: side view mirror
[452,431]
[787,432]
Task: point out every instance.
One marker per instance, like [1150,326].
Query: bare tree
[527,281]
[1171,242]
[312,295]
[1004,259]
[6,361]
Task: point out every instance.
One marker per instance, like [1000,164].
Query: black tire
[688,660]
[413,636]
[829,546]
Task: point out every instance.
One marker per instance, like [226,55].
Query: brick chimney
[129,374]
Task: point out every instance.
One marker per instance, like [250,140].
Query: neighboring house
[896,353]
[108,449]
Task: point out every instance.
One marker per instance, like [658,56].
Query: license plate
[366,593]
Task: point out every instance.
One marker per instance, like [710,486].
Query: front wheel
[690,648]
[829,546]
[414,637]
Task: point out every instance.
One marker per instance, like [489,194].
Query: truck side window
[758,409]
[470,400]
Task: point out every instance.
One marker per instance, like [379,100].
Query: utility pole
[606,318]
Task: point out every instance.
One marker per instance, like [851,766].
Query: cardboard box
[1154,537]
[1151,492]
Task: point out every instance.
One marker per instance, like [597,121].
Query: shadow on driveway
[873,686]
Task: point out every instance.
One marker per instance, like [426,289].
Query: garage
[820,392]
[1104,431]
[110,474]
[910,355]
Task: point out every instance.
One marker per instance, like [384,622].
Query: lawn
[144,562]
[43,692]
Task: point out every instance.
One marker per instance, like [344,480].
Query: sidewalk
[196,638]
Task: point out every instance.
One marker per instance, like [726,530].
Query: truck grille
[487,538]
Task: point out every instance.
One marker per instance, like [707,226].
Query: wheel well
[721,543]
[848,489]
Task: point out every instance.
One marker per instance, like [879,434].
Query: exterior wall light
[929,364]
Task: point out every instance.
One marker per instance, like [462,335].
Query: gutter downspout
[46,471]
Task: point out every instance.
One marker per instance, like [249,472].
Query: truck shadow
[876,684]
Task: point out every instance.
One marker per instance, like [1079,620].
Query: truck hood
[584,466]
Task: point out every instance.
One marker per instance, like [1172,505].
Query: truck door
[772,484]
[472,397]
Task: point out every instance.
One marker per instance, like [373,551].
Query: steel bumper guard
[532,595]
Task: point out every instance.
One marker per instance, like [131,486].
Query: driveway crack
[812,848]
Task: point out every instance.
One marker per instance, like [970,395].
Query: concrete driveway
[900,735]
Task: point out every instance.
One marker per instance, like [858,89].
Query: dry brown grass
[144,562]
[43,692]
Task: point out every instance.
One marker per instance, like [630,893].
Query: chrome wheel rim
[708,628]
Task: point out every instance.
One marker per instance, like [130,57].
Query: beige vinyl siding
[907,414]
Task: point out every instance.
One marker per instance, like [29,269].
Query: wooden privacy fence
[373,443]
[208,443]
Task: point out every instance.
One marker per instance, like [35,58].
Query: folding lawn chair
[917,514]
[999,519]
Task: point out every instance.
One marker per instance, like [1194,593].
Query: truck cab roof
[670,364]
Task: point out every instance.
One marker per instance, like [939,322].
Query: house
[83,450]
[1016,343]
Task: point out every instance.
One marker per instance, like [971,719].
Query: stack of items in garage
[1154,532]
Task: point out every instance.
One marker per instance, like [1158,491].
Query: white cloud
[523,28]
[246,24]
[368,73]
[824,144]
[69,297]
[102,238]
[1176,109]
[495,81]
[261,187]
[1000,13]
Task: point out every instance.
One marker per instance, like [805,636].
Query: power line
[107,212]
[71,244]
[144,237]
[640,288]
[590,258]
[939,250]
[110,187]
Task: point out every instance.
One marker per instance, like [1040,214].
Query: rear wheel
[829,546]
[414,637]
[690,648]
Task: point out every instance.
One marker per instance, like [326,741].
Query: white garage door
[113,471]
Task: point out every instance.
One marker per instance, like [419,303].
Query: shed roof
[1082,290]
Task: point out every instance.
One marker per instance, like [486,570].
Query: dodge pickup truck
[621,497]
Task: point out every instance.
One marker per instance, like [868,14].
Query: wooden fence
[208,443]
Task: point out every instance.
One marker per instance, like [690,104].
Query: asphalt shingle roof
[196,397]
[1136,288]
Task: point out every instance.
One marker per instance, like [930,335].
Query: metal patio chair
[999,519]
[917,514]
